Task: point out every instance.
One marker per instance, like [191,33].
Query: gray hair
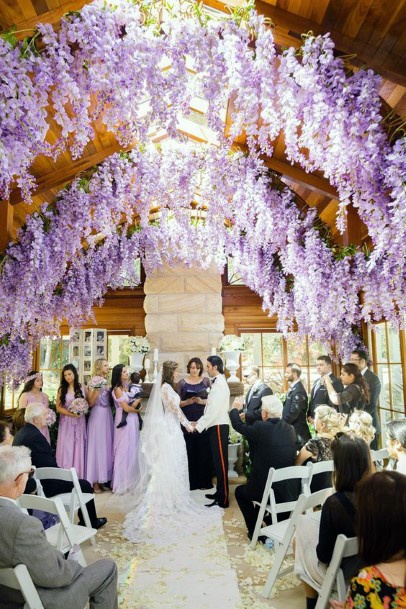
[14,460]
[272,405]
[33,411]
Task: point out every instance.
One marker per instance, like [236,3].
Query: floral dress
[370,590]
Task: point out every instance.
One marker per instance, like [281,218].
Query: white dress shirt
[216,410]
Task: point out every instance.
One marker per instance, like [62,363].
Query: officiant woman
[193,391]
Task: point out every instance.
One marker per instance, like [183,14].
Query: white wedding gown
[164,507]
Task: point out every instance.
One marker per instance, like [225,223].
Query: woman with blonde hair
[99,453]
[360,422]
[327,422]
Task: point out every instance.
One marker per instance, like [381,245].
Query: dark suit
[253,405]
[374,386]
[59,582]
[42,456]
[295,411]
[274,441]
[319,394]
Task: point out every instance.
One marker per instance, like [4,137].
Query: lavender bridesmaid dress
[71,443]
[99,452]
[126,440]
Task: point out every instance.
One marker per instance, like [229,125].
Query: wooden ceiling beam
[52,17]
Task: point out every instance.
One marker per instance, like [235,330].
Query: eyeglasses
[30,473]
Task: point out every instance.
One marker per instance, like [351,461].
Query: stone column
[183,309]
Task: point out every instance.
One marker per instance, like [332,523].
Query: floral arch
[87,239]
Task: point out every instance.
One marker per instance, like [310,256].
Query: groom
[216,421]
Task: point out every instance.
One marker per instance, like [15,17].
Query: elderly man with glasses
[59,582]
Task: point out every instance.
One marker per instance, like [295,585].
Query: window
[386,354]
[271,352]
[53,356]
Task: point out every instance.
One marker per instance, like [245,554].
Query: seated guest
[274,446]
[396,443]
[327,422]
[315,542]
[381,532]
[5,433]
[295,405]
[59,582]
[42,456]
[360,422]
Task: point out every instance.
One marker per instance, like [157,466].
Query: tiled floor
[250,566]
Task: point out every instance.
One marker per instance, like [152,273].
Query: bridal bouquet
[231,342]
[79,406]
[135,344]
[97,382]
[50,417]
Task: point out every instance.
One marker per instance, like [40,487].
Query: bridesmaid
[71,443]
[31,394]
[99,452]
[126,439]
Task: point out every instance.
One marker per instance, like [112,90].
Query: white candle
[155,355]
[213,350]
[147,363]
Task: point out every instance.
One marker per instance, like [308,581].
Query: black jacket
[274,441]
[321,396]
[254,404]
[295,411]
[374,386]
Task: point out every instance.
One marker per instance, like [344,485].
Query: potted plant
[234,443]
[136,347]
[231,346]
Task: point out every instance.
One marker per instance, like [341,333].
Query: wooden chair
[63,535]
[282,533]
[268,503]
[72,501]
[334,578]
[18,578]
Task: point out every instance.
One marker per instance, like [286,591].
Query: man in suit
[59,582]
[319,394]
[295,405]
[257,390]
[215,419]
[360,358]
[275,446]
[42,456]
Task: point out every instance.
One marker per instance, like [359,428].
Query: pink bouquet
[50,416]
[79,406]
[97,382]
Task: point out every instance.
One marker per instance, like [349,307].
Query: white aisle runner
[193,573]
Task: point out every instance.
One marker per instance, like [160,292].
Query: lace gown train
[163,490]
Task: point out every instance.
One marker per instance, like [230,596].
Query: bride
[163,487]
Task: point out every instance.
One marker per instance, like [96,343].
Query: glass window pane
[304,377]
[397,388]
[115,344]
[272,346]
[52,380]
[252,344]
[50,353]
[316,349]
[381,345]
[297,351]
[383,373]
[274,378]
[65,350]
[394,344]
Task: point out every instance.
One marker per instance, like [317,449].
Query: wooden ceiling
[372,30]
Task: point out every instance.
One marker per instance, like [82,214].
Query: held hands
[242,416]
[193,425]
[198,400]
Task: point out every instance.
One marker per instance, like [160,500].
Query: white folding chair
[320,467]
[63,535]
[334,578]
[378,457]
[283,532]
[268,503]
[72,501]
[18,578]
